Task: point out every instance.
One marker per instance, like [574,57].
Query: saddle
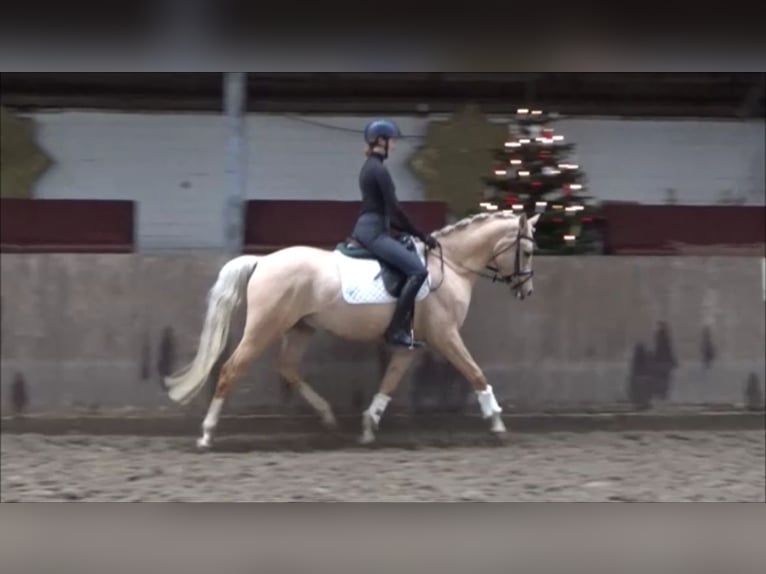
[393,279]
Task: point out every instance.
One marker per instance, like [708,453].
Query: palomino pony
[295,291]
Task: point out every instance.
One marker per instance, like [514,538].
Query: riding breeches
[371,231]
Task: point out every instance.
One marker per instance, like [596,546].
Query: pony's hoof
[369,426]
[368,422]
[367,438]
[203,444]
[332,431]
[330,423]
[500,437]
[498,426]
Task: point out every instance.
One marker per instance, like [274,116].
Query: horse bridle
[518,276]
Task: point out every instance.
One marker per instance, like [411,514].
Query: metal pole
[235,95]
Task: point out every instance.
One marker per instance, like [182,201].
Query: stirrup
[411,344]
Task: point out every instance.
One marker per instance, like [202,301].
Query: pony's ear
[523,221]
[533,220]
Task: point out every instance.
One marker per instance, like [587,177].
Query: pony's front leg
[452,347]
[397,367]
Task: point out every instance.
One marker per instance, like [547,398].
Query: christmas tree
[533,174]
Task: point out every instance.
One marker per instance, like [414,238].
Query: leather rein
[520,277]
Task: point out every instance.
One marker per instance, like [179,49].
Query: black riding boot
[398,332]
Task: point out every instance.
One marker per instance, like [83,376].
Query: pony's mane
[466,221]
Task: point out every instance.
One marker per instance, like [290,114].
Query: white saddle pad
[362,283]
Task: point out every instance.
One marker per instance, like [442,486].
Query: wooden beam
[691,95]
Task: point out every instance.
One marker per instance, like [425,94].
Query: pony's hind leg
[295,343]
[256,338]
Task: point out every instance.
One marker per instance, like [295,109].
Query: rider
[380,212]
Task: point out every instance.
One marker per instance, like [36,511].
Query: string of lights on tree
[533,174]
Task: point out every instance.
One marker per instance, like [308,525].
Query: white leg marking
[371,417]
[368,429]
[378,407]
[210,422]
[319,404]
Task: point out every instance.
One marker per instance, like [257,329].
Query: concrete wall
[94,333]
[174,165]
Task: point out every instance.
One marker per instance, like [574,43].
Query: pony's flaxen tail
[223,299]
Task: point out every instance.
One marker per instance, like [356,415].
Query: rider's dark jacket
[379,197]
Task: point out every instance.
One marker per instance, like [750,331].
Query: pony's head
[501,242]
[513,255]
